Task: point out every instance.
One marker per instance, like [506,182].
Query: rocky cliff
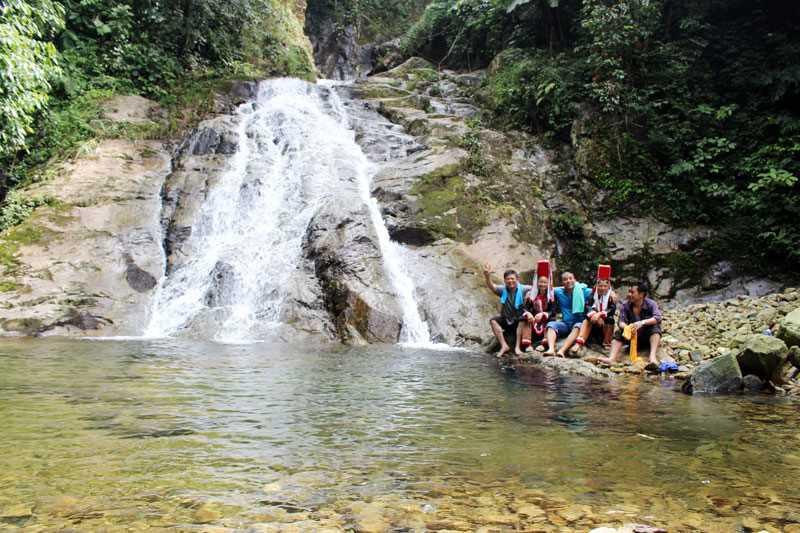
[456,193]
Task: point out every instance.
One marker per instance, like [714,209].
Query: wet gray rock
[628,236]
[342,245]
[222,277]
[762,356]
[789,330]
[199,162]
[452,297]
[718,376]
[337,52]
[575,367]
[752,383]
[739,286]
[718,276]
[209,140]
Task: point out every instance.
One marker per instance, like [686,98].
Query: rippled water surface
[129,436]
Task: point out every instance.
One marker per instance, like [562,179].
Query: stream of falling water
[295,146]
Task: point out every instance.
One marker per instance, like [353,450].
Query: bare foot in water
[519,352]
[561,354]
[503,350]
[549,353]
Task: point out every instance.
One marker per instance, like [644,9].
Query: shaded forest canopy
[688,109]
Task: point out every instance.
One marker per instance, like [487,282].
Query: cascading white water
[294,146]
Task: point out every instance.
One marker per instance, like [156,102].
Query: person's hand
[487,269]
[539,317]
[527,316]
[636,326]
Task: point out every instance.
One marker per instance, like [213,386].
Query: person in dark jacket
[644,317]
[538,310]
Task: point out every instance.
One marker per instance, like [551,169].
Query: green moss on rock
[449,207]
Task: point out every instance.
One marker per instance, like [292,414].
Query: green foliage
[27,63]
[373,20]
[464,33]
[17,207]
[476,163]
[534,89]
[58,60]
[685,109]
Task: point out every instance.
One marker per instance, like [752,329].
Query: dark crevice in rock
[412,236]
[140,280]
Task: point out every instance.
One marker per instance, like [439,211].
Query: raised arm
[487,277]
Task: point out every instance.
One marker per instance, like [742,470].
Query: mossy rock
[415,66]
[380,91]
[449,207]
[25,326]
[790,328]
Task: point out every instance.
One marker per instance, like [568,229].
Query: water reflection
[168,434]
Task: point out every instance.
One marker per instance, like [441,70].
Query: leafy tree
[28,61]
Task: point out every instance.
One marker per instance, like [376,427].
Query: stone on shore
[575,367]
[720,375]
[752,383]
[790,328]
[762,356]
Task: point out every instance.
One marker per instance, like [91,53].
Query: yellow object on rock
[630,334]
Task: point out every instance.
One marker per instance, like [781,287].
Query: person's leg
[608,334]
[525,332]
[616,346]
[583,336]
[520,331]
[655,340]
[552,337]
[573,334]
[498,333]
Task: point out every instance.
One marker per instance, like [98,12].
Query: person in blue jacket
[571,298]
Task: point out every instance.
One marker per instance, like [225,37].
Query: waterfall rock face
[347,262]
[267,232]
[338,54]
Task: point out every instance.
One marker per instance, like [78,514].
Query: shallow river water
[187,436]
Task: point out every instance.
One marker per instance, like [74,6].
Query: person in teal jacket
[512,295]
[571,299]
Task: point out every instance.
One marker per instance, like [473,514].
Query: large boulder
[762,356]
[790,328]
[720,375]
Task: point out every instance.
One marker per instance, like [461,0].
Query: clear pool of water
[189,436]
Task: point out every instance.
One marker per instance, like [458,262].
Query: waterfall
[295,146]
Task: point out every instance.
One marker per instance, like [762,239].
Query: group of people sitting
[528,315]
